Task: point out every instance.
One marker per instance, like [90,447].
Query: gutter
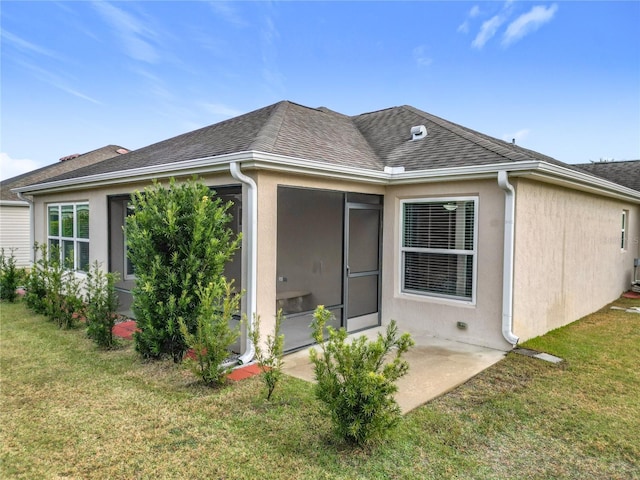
[508,252]
[252,256]
[538,170]
[32,223]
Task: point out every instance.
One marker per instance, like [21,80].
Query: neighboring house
[393,214]
[625,172]
[14,211]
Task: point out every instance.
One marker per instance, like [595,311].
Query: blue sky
[560,77]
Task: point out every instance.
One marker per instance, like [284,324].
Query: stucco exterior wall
[568,256]
[436,316]
[14,233]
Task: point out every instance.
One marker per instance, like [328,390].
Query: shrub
[178,238]
[36,286]
[270,361]
[64,303]
[102,304]
[213,334]
[354,381]
[9,277]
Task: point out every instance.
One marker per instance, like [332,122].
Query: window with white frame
[623,236]
[439,247]
[68,234]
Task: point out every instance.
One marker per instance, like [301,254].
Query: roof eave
[13,203]
[540,170]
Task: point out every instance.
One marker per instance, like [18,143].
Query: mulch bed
[631,295]
[127,328]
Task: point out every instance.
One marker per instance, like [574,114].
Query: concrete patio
[435,367]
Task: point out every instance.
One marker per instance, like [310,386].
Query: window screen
[439,247]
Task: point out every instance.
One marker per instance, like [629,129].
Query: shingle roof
[45,173]
[371,141]
[625,173]
[446,145]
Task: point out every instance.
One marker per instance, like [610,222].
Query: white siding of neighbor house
[568,256]
[14,232]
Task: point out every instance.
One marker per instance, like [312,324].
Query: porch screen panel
[439,248]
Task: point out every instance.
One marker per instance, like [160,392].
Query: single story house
[15,231]
[393,214]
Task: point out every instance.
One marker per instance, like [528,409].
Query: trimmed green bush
[64,303]
[9,277]
[178,238]
[355,381]
[213,334]
[102,305]
[270,361]
[36,287]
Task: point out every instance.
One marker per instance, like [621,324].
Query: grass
[69,410]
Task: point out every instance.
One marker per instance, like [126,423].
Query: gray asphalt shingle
[370,141]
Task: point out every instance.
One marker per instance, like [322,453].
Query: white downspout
[252,257]
[32,223]
[508,251]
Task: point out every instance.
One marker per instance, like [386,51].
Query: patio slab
[435,367]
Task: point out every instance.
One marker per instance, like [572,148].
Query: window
[623,236]
[439,247]
[68,234]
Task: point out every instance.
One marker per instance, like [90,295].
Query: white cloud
[528,22]
[12,167]
[517,136]
[421,57]
[487,31]
[474,12]
[271,73]
[26,46]
[221,110]
[134,34]
[57,81]
[228,13]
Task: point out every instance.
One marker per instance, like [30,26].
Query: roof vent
[70,157]
[122,151]
[418,132]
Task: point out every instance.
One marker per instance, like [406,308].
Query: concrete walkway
[435,367]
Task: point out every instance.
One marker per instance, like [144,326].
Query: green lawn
[69,410]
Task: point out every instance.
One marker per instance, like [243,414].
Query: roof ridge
[606,162]
[266,138]
[487,142]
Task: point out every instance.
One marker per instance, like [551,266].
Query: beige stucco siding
[568,256]
[439,317]
[14,233]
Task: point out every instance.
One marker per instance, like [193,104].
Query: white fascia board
[189,167]
[567,177]
[281,163]
[541,171]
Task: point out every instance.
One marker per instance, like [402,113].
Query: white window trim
[624,240]
[474,252]
[75,239]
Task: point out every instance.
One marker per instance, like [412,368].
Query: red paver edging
[126,330]
[631,295]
